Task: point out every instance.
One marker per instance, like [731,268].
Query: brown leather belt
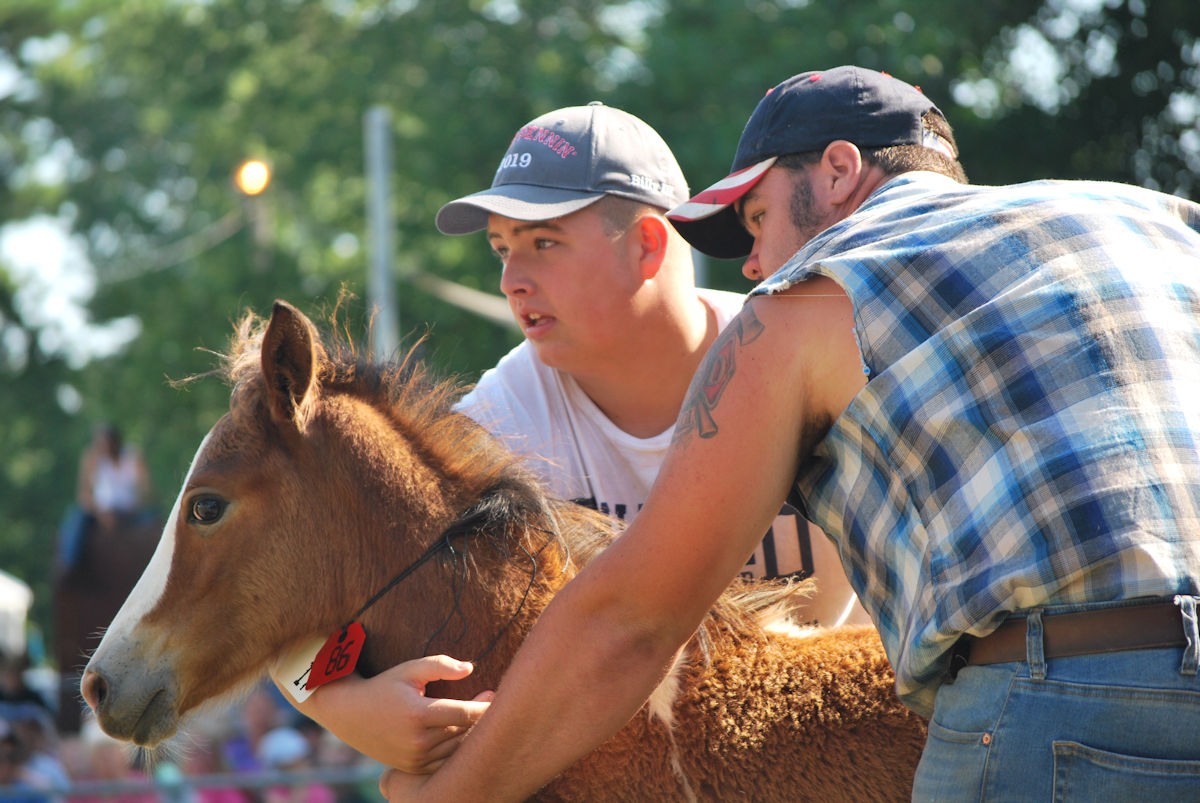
[1136,627]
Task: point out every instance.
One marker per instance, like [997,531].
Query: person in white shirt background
[112,482]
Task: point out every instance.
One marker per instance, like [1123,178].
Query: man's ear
[651,239]
[840,169]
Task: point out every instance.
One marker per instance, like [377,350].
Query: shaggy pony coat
[337,489]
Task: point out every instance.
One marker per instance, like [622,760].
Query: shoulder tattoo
[714,375]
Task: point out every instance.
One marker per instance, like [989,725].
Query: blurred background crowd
[258,750]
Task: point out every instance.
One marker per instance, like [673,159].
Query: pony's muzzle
[135,707]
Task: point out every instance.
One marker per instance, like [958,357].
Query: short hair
[903,158]
[618,214]
[896,159]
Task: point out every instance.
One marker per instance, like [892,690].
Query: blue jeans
[1121,726]
[71,536]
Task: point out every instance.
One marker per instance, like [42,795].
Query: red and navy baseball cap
[803,114]
[568,159]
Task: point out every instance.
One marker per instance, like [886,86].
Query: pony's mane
[419,404]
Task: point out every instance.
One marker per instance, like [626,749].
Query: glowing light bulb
[253,176]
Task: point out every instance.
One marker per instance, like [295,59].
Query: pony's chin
[158,722]
[148,727]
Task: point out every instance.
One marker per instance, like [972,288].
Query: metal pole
[384,323]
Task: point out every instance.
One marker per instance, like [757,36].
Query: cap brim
[517,201]
[708,220]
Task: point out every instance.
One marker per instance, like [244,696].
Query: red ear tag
[338,656]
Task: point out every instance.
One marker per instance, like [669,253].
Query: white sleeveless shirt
[115,483]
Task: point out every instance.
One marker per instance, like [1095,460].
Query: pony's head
[276,534]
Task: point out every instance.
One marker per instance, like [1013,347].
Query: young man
[603,288]
[985,395]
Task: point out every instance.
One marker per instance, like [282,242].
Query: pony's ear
[289,359]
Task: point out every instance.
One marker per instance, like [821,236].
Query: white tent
[15,599]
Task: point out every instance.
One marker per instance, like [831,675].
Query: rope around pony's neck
[463,526]
[443,542]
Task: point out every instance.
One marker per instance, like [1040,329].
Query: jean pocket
[942,733]
[952,764]
[1083,773]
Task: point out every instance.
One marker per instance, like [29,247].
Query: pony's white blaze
[150,585]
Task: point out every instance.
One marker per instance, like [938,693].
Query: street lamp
[252,176]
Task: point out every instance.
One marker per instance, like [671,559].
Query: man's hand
[389,718]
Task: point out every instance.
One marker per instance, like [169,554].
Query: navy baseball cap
[568,159]
[803,114]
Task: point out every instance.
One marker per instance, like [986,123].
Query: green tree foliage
[153,105]
[123,123]
[1096,90]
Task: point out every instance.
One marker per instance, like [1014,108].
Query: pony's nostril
[93,689]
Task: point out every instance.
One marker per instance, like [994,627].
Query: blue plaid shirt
[1029,435]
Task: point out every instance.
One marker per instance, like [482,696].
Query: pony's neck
[459,541]
[479,589]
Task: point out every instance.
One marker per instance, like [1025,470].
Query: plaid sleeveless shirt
[1029,435]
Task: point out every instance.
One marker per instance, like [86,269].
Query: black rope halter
[476,519]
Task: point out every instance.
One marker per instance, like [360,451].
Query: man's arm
[748,420]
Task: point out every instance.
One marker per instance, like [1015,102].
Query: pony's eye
[206,509]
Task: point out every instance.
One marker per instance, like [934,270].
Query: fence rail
[178,789]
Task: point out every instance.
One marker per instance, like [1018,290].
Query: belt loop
[1191,652]
[1034,651]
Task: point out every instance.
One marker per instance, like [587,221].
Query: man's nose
[751,268]
[515,279]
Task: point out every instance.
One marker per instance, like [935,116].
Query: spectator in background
[259,714]
[112,476]
[112,482]
[313,732]
[14,690]
[334,754]
[285,749]
[17,783]
[35,730]
[73,754]
[28,714]
[203,757]
[107,760]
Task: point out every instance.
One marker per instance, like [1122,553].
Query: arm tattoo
[714,375]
